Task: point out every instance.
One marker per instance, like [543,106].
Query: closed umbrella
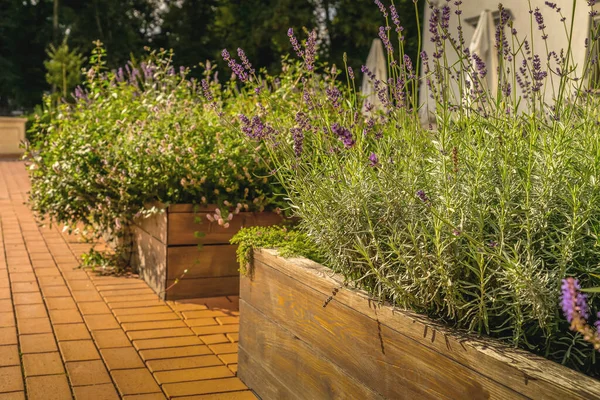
[377,64]
[483,46]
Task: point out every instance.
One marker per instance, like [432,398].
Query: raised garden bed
[165,245]
[293,346]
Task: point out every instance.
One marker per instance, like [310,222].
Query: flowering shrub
[472,219]
[139,135]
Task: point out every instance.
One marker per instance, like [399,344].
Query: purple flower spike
[373,160]
[294,42]
[573,302]
[385,39]
[245,61]
[421,195]
[344,135]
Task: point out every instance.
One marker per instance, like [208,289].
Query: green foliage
[64,70]
[137,136]
[289,243]
[472,220]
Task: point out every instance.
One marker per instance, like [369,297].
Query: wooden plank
[203,287]
[386,361]
[182,229]
[209,261]
[150,258]
[255,376]
[526,373]
[297,365]
[190,208]
[155,225]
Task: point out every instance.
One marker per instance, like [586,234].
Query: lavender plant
[472,217]
[139,135]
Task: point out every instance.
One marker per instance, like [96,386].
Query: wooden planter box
[165,245]
[12,133]
[292,347]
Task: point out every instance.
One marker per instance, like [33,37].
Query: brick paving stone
[47,272]
[135,381]
[121,358]
[155,354]
[46,281]
[42,364]
[226,348]
[205,314]
[228,320]
[94,308]
[203,387]
[79,350]
[135,304]
[84,296]
[111,338]
[107,287]
[209,330]
[66,332]
[245,395]
[76,275]
[160,333]
[24,287]
[149,396]
[229,358]
[165,343]
[12,396]
[55,291]
[183,363]
[7,319]
[6,305]
[142,326]
[133,298]
[11,379]
[81,285]
[34,325]
[155,309]
[96,392]
[83,373]
[193,374]
[8,335]
[22,277]
[31,311]
[233,368]
[9,355]
[234,337]
[38,343]
[61,303]
[148,317]
[50,387]
[131,292]
[65,316]
[201,322]
[5,293]
[214,339]
[101,322]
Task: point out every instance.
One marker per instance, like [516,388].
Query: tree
[64,70]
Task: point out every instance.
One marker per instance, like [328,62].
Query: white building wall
[522,22]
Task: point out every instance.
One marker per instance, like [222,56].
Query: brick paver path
[68,333]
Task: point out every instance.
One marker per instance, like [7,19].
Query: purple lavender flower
[385,39]
[344,135]
[350,72]
[433,26]
[206,90]
[573,302]
[396,20]
[310,51]
[409,66]
[539,19]
[373,160]
[381,8]
[237,69]
[421,195]
[479,65]
[333,96]
[245,61]
[298,137]
[294,42]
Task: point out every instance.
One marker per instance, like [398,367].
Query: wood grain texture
[522,372]
[389,363]
[299,367]
[150,259]
[203,287]
[207,262]
[155,226]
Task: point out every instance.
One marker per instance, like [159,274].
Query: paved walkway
[68,333]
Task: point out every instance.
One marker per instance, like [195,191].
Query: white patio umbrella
[482,44]
[377,64]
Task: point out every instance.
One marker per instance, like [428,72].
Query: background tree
[64,70]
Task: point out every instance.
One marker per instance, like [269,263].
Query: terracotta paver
[70,333]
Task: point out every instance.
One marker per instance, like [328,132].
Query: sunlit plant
[473,218]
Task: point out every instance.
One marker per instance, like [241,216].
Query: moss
[289,243]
